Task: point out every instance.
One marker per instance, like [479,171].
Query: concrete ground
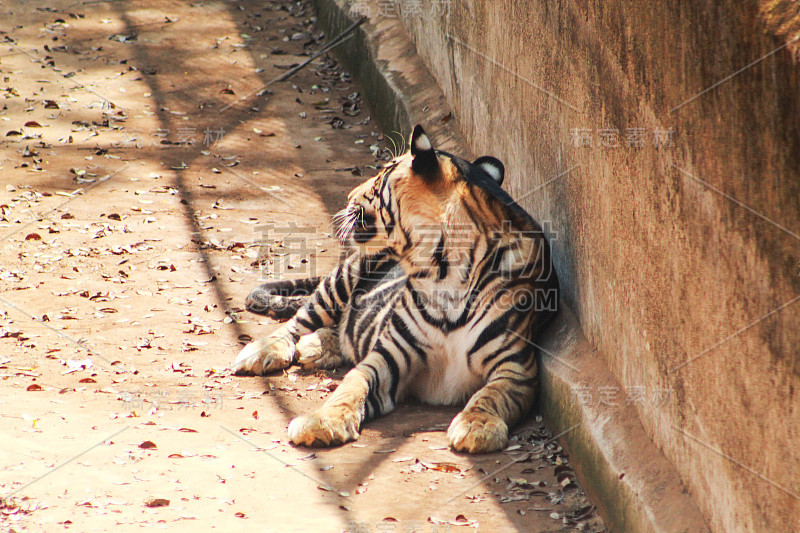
[148,182]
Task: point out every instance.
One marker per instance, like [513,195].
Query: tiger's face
[360,224]
[410,197]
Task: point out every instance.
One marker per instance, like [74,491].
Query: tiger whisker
[344,222]
[393,152]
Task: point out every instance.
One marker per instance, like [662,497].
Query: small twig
[347,169]
[286,75]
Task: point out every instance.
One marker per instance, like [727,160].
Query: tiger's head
[423,199]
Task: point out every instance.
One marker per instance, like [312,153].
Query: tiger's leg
[482,426]
[323,309]
[369,390]
[281,299]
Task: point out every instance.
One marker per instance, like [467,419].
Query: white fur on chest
[446,379]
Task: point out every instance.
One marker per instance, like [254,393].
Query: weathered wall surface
[679,251]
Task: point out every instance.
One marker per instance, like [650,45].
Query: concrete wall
[686,252]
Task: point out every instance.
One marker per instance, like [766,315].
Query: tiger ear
[492,166]
[424,161]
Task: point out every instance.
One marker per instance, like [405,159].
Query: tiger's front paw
[320,350]
[327,427]
[265,355]
[476,432]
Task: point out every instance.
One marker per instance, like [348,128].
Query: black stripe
[419,301]
[394,370]
[406,235]
[491,267]
[386,208]
[516,357]
[316,320]
[500,351]
[320,301]
[490,400]
[476,220]
[480,409]
[520,381]
[469,308]
[513,395]
[410,316]
[349,328]
[440,259]
[470,261]
[405,333]
[491,331]
[373,382]
[365,336]
[341,289]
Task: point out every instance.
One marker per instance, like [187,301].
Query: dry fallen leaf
[460,520]
[157,502]
[148,445]
[34,387]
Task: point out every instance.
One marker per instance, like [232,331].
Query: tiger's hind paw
[320,350]
[265,355]
[476,432]
[326,427]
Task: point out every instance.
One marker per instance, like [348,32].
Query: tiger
[446,286]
